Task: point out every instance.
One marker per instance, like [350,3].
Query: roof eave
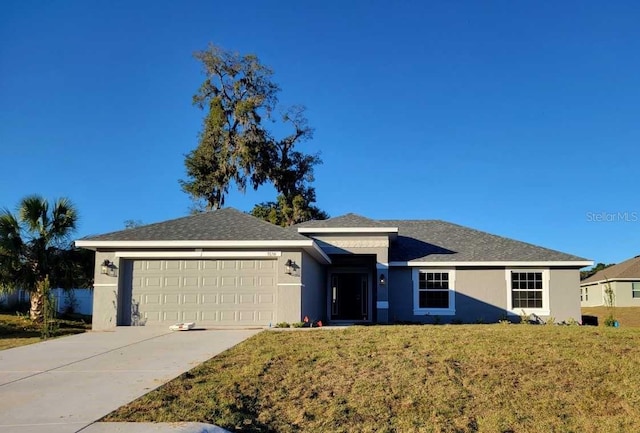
[308,245]
[509,263]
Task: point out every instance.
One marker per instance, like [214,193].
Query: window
[635,290]
[434,292]
[586,293]
[581,294]
[526,290]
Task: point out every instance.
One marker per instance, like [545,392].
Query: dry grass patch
[18,330]
[487,378]
[626,316]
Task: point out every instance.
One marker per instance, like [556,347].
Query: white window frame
[633,290]
[417,311]
[545,310]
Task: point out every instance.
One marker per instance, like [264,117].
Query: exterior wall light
[383,280]
[289,266]
[108,268]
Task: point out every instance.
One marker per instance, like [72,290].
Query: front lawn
[452,378]
[18,330]
[627,316]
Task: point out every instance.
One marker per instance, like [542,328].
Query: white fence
[78,301]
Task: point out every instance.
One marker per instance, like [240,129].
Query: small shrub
[525,318]
[297,324]
[550,321]
[571,322]
[282,325]
[610,321]
[504,322]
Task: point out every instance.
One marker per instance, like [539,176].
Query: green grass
[627,316]
[18,330]
[460,378]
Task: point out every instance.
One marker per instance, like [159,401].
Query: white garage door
[222,292]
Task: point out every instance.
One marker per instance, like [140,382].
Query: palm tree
[34,247]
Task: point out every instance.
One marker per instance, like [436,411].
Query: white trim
[546,308]
[198,254]
[382,305]
[382,266]
[106,285]
[348,230]
[291,284]
[321,253]
[609,280]
[87,243]
[492,263]
[417,311]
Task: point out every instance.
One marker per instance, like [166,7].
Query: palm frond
[33,213]
[64,218]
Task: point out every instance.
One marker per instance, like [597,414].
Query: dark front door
[350,296]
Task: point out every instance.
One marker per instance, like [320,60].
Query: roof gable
[627,269]
[226,224]
[350,220]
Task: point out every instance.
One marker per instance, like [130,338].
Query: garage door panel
[151,282]
[228,281]
[205,291]
[190,316]
[266,299]
[171,298]
[265,316]
[171,282]
[171,316]
[191,282]
[153,265]
[209,298]
[190,298]
[246,298]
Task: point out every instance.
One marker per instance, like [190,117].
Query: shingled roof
[220,225]
[349,220]
[440,241]
[627,269]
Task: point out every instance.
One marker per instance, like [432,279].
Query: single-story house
[226,267]
[624,280]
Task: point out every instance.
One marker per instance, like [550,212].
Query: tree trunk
[37,306]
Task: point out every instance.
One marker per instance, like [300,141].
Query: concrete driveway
[63,385]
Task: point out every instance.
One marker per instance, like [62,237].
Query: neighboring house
[624,280]
[228,268]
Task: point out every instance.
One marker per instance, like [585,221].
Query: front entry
[349,296]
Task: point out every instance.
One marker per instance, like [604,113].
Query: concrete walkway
[64,385]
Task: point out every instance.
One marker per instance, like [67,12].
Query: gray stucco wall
[356,244]
[592,295]
[623,292]
[564,294]
[105,294]
[314,300]
[400,291]
[481,295]
[289,299]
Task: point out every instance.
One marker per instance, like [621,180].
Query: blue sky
[517,118]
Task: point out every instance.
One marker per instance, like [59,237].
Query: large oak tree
[236,148]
